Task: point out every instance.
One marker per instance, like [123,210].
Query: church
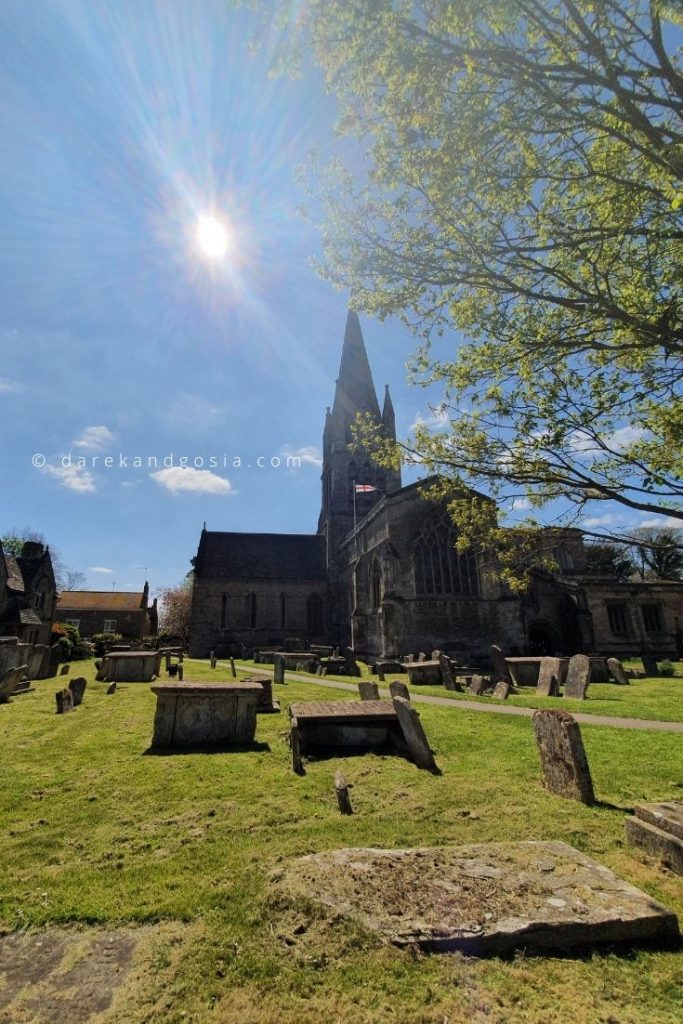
[382,575]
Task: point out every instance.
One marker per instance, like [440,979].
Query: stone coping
[189,689]
[132,654]
[345,710]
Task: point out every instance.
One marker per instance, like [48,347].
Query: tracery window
[439,568]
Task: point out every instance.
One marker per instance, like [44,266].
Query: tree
[175,609]
[609,560]
[65,578]
[524,191]
[72,579]
[659,552]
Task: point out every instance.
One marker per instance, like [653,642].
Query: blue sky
[121,123]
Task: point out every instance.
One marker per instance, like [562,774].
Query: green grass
[659,700]
[94,830]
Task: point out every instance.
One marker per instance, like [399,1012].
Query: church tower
[345,470]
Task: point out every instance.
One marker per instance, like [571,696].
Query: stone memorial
[578,677]
[424,673]
[10,681]
[658,829]
[422,656]
[502,690]
[233,670]
[477,685]
[341,788]
[279,669]
[482,899]
[397,688]
[650,665]
[64,670]
[205,714]
[368,690]
[498,664]
[447,674]
[414,734]
[65,701]
[617,672]
[130,666]
[77,687]
[548,684]
[563,758]
[111,688]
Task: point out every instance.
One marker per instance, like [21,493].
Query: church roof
[355,388]
[284,556]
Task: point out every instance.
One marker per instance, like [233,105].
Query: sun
[213,237]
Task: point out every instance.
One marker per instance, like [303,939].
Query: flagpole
[354,506]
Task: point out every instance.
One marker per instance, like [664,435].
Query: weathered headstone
[436,655]
[563,757]
[502,690]
[10,681]
[578,677]
[368,690]
[180,671]
[380,675]
[65,701]
[498,664]
[212,658]
[397,688]
[279,669]
[446,672]
[233,670]
[77,687]
[341,788]
[64,670]
[548,684]
[477,685]
[351,667]
[111,688]
[617,671]
[422,656]
[414,734]
[650,665]
[658,829]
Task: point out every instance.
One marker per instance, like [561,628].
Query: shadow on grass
[209,748]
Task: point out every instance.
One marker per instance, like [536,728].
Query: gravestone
[64,670]
[279,669]
[180,672]
[650,665]
[397,688]
[498,664]
[422,656]
[233,670]
[502,690]
[617,671]
[368,690]
[380,675]
[449,680]
[212,658]
[578,677]
[10,681]
[409,658]
[436,655]
[35,661]
[77,687]
[414,734]
[477,685]
[563,758]
[341,788]
[65,701]
[548,684]
[111,688]
[658,829]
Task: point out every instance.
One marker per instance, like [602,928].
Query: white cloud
[99,568]
[623,437]
[94,438]
[438,419]
[7,385]
[75,478]
[608,519]
[519,504]
[308,455]
[662,522]
[201,481]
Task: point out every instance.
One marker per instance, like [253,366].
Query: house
[128,613]
[28,593]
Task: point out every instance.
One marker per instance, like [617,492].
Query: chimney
[32,549]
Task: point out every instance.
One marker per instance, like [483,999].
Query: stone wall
[630,605]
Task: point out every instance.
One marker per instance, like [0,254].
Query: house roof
[283,556]
[100,600]
[15,580]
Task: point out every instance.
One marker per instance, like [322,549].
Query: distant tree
[609,560]
[65,578]
[659,553]
[14,540]
[72,579]
[175,608]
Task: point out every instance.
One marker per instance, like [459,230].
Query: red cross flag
[364,488]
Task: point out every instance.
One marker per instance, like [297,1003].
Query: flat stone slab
[658,829]
[347,710]
[480,899]
[667,815]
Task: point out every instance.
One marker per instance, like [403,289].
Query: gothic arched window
[375,585]
[283,611]
[251,609]
[439,568]
[314,614]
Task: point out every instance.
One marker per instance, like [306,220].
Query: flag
[364,488]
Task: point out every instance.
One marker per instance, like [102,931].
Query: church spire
[355,389]
[388,417]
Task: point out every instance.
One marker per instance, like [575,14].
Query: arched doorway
[544,640]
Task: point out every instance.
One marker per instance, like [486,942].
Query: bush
[103,641]
[667,668]
[83,649]
[66,647]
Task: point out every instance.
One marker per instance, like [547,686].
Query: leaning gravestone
[77,687]
[447,675]
[65,701]
[578,677]
[397,688]
[650,665]
[563,758]
[10,681]
[499,664]
[111,688]
[368,690]
[414,734]
[617,671]
[548,684]
[64,670]
[502,690]
[477,685]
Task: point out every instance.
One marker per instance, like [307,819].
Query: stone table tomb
[205,714]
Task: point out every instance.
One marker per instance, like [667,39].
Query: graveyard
[161,868]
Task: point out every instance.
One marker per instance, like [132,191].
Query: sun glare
[213,237]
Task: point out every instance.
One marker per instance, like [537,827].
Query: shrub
[666,668]
[103,641]
[83,649]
